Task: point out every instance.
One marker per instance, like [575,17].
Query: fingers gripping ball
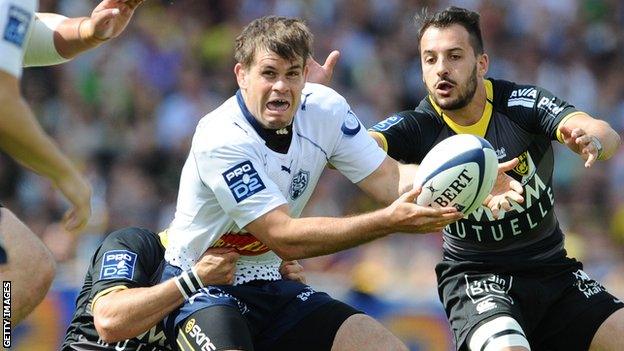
[460,171]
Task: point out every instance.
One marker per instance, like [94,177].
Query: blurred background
[126,112]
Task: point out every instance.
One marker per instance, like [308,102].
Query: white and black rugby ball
[460,171]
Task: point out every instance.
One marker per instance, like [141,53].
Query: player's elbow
[288,247]
[108,328]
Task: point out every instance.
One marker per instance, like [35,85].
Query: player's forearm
[23,139]
[609,138]
[300,238]
[74,36]
[125,314]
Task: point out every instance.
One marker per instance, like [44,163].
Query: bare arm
[73,36]
[295,238]
[578,132]
[126,313]
[23,139]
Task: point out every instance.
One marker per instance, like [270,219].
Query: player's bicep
[270,227]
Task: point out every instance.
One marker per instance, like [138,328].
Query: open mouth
[444,87]
[279,105]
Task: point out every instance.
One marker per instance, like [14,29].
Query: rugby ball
[460,171]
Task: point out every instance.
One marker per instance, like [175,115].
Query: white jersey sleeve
[236,174]
[16,21]
[351,149]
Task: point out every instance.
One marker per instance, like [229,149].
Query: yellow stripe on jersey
[107,291]
[478,128]
[384,141]
[565,119]
[164,238]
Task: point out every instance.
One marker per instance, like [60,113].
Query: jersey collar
[276,139]
[478,128]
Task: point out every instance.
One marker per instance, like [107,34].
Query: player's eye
[430,60]
[269,74]
[293,74]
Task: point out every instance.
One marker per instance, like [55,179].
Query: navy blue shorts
[270,308]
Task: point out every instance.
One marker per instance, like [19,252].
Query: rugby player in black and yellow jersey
[505,280]
[121,305]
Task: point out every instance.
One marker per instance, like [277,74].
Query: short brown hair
[453,15]
[290,38]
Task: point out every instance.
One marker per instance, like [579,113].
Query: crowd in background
[126,112]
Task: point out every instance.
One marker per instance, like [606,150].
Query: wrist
[188,283]
[86,33]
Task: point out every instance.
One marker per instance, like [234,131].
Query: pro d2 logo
[299,184]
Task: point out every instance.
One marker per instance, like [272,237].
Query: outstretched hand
[110,18]
[582,143]
[322,74]
[406,216]
[505,189]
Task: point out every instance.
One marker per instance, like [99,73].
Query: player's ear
[483,64]
[241,75]
[306,70]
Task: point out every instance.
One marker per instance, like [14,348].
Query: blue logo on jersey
[299,184]
[118,264]
[243,181]
[17,25]
[351,125]
[387,123]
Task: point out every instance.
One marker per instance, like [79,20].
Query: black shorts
[558,306]
[278,315]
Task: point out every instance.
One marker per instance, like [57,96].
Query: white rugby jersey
[231,177]
[16,21]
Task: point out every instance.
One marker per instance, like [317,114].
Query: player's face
[272,87]
[451,70]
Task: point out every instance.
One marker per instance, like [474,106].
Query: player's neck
[471,113]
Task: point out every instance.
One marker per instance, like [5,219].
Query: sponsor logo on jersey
[522,168]
[17,24]
[244,243]
[525,97]
[118,264]
[351,125]
[243,181]
[586,285]
[387,123]
[198,336]
[306,293]
[299,184]
[550,106]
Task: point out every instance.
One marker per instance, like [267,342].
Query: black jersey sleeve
[129,257]
[534,108]
[408,135]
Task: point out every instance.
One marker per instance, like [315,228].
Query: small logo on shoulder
[351,125]
[387,123]
[17,25]
[118,264]
[243,181]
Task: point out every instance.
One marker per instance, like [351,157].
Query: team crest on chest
[299,184]
[523,166]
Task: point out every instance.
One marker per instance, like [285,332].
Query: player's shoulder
[321,98]
[224,127]
[423,117]
[507,94]
[133,238]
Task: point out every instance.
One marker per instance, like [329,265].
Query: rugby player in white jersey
[253,164]
[30,39]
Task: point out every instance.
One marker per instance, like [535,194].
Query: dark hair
[290,38]
[453,15]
